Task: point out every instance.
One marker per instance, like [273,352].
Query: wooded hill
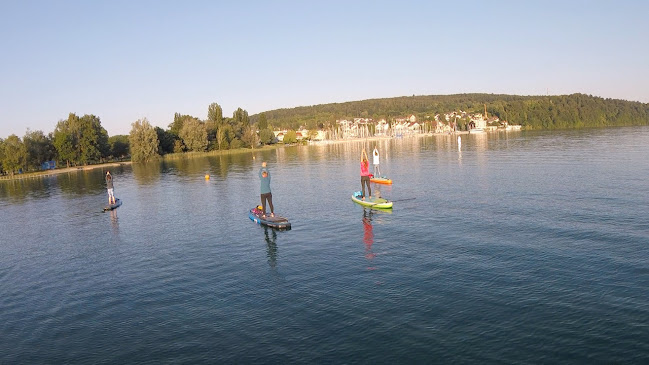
[532,112]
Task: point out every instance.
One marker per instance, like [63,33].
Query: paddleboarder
[375,160]
[109,186]
[264,177]
[365,174]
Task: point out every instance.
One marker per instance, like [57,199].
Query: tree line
[74,141]
[532,112]
[190,134]
[81,140]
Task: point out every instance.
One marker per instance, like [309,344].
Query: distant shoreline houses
[403,126]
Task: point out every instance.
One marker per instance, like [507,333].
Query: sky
[127,60]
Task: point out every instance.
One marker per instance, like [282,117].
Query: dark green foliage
[93,140]
[166,140]
[533,112]
[119,146]
[14,155]
[40,148]
[81,140]
[194,135]
[262,123]
[239,122]
[250,137]
[266,136]
[215,113]
[179,121]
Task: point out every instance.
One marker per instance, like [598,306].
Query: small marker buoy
[207,177]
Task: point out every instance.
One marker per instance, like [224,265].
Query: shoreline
[168,157]
[187,155]
[37,174]
[380,138]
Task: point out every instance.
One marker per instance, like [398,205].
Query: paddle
[392,201]
[402,200]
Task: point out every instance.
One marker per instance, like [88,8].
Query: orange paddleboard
[381,180]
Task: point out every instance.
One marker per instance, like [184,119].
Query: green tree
[15,154]
[81,140]
[263,121]
[177,124]
[179,146]
[143,141]
[66,140]
[290,136]
[236,143]
[40,148]
[118,146]
[250,138]
[239,122]
[194,135]
[215,113]
[266,136]
[213,123]
[166,140]
[93,140]
[223,136]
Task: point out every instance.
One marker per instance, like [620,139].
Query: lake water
[520,247]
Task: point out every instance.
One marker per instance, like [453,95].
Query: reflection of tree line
[82,182]
[72,183]
[18,190]
[218,166]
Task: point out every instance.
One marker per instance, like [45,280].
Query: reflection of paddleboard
[113,206]
[381,180]
[273,222]
[373,203]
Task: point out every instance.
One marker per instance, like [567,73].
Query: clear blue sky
[125,60]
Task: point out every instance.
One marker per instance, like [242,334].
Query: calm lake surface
[520,247]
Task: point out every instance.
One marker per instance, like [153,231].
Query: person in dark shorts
[109,186]
[266,195]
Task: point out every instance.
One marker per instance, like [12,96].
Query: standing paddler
[266,195]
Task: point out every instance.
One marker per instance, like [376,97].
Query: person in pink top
[365,174]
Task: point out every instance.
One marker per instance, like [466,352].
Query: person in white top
[375,154]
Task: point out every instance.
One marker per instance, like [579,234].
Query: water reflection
[81,182]
[114,222]
[271,246]
[147,173]
[368,235]
[16,190]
